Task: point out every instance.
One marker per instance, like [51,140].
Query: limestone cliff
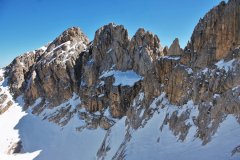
[216,34]
[175,48]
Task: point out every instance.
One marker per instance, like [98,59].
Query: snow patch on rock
[222,64]
[124,78]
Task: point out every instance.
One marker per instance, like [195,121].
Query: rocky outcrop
[5,104]
[175,49]
[179,85]
[73,34]
[165,50]
[144,49]
[110,48]
[216,34]
[19,69]
[54,73]
[15,148]
[49,72]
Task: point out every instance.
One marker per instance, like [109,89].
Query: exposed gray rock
[15,148]
[216,34]
[144,49]
[175,48]
[110,48]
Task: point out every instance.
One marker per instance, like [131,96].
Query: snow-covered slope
[9,135]
[151,142]
[44,139]
[143,134]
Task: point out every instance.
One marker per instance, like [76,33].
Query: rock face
[175,48]
[110,48]
[50,71]
[119,76]
[54,73]
[217,33]
[144,50]
[73,34]
[20,67]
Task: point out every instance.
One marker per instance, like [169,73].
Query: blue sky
[29,24]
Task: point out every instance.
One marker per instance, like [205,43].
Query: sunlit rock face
[110,47]
[216,34]
[174,49]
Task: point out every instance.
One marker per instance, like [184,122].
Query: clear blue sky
[29,24]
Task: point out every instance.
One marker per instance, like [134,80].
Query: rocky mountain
[126,98]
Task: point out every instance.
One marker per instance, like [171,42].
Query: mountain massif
[126,98]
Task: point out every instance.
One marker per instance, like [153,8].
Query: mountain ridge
[127,82]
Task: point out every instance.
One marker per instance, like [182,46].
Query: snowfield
[45,140]
[9,134]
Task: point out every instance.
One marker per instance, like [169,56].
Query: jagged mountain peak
[110,47]
[71,34]
[110,25]
[152,39]
[216,34]
[175,48]
[109,33]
